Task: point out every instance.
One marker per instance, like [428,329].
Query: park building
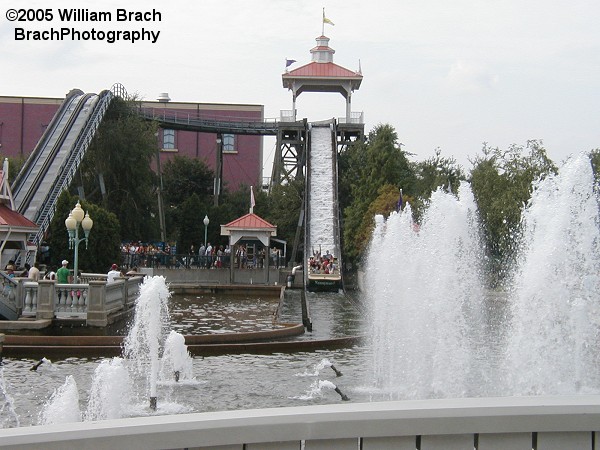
[23,121]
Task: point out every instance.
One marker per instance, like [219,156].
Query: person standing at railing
[113,273]
[7,290]
[208,254]
[34,272]
[63,275]
[25,272]
[50,274]
[202,256]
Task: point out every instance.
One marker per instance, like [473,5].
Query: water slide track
[56,158]
[322,223]
[51,131]
[39,170]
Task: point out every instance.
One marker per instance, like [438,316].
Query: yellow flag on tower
[326,20]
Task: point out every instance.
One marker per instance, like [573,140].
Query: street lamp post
[206,222]
[76,217]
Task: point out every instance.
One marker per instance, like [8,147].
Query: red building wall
[24,119]
[22,123]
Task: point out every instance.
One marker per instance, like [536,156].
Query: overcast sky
[447,74]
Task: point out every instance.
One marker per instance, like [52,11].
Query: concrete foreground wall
[508,423]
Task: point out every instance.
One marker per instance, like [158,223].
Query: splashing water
[120,385]
[436,332]
[421,287]
[8,416]
[176,359]
[110,393]
[63,406]
[324,363]
[556,328]
[317,389]
[143,344]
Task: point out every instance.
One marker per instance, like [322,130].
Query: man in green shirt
[63,275]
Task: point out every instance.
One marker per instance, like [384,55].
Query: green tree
[283,210]
[104,246]
[432,173]
[595,159]
[182,177]
[191,227]
[121,154]
[15,163]
[502,184]
[364,168]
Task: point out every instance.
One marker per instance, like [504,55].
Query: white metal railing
[287,115]
[508,423]
[357,117]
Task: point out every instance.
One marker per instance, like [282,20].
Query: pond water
[215,383]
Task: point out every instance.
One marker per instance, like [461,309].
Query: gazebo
[249,241]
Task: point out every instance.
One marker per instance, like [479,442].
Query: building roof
[250,221]
[322,70]
[11,218]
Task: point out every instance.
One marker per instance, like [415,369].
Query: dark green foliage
[364,168]
[437,171]
[104,240]
[595,159]
[191,226]
[283,209]
[502,184]
[14,166]
[121,152]
[181,178]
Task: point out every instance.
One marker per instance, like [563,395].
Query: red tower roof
[322,70]
[250,221]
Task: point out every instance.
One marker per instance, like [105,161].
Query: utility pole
[219,169]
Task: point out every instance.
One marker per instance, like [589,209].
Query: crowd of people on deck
[322,264]
[205,257]
[135,254]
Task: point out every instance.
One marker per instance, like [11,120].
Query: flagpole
[323,24]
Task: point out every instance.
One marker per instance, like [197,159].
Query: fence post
[46,293]
[97,315]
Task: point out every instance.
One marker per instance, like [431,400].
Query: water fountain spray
[143,344]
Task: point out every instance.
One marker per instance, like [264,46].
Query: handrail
[8,296]
[234,125]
